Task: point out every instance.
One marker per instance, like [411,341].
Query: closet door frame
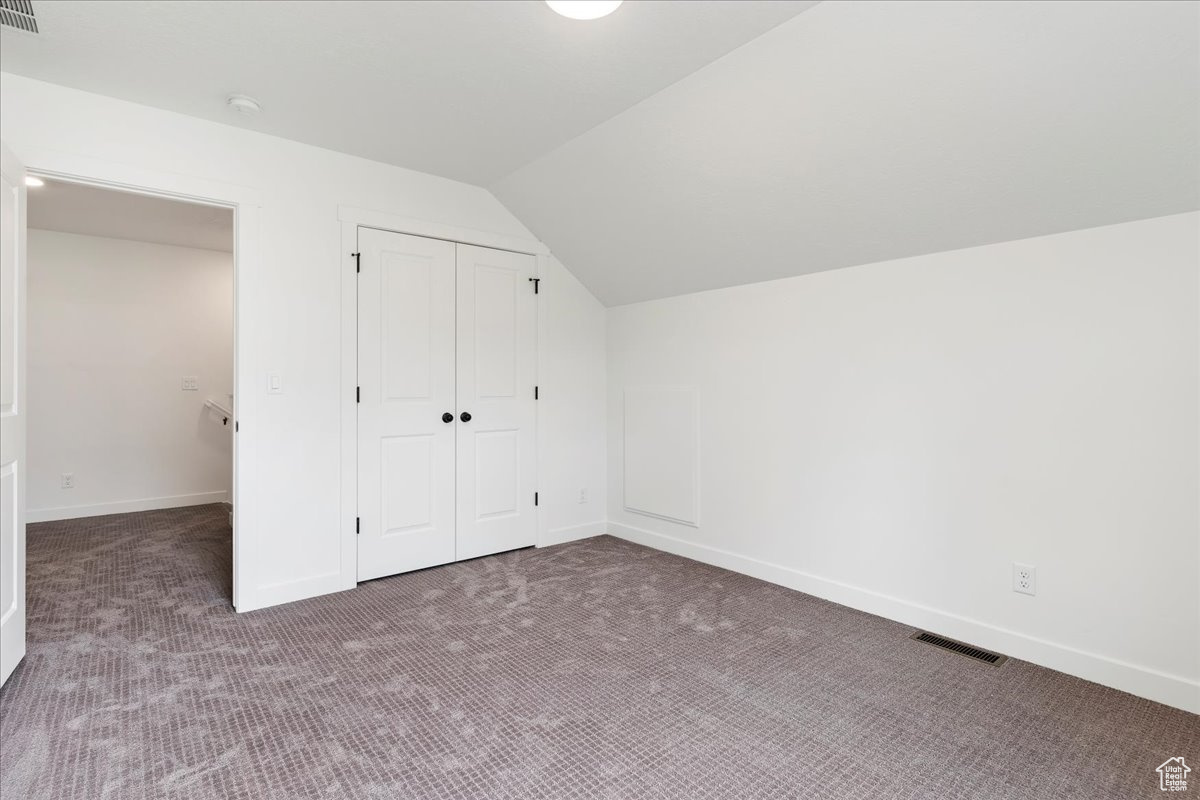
[351,218]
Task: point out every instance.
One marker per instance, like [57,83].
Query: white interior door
[497,352]
[12,413]
[406,391]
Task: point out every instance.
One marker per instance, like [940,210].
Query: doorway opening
[131,363]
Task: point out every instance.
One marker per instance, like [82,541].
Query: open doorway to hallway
[130,353]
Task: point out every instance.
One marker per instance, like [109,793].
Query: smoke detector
[243,104]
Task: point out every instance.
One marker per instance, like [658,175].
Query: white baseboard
[125,506]
[1172,690]
[572,533]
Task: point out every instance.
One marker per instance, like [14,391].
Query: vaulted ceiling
[867,131]
[679,146]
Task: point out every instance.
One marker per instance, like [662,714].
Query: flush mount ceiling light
[584,9]
[34,182]
[243,104]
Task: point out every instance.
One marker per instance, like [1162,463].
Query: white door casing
[406,384]
[12,413]
[497,364]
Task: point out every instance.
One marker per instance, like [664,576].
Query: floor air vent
[995,659]
[18,14]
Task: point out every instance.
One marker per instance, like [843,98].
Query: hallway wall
[114,328]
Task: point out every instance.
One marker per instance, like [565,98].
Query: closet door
[497,347]
[406,426]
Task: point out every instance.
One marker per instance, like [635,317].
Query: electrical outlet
[68,480]
[1024,578]
[582,496]
[190,383]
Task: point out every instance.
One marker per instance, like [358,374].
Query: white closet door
[12,413]
[406,427]
[497,347]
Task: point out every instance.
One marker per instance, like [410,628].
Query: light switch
[274,383]
[190,383]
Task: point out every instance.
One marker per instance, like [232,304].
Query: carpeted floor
[597,669]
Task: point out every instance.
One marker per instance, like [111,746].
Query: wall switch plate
[190,383]
[68,480]
[274,383]
[582,496]
[1024,578]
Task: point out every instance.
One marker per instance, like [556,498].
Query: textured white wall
[894,436]
[295,300]
[114,326]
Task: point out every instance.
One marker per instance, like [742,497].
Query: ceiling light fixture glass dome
[584,9]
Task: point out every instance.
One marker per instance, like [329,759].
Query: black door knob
[447,417]
[465,416]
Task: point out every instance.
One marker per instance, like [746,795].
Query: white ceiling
[681,146]
[466,90]
[866,131]
[76,208]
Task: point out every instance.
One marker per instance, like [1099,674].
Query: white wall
[894,436]
[114,326]
[573,408]
[295,303]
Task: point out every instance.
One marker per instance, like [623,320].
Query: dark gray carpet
[597,669]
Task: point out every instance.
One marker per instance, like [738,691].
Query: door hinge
[535,393]
[358,524]
[358,394]
[536,283]
[357,261]
[235,426]
[535,498]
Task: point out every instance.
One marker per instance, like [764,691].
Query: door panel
[12,413]
[497,346]
[497,467]
[406,383]
[408,494]
[495,332]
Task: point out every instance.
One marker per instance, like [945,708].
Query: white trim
[127,177]
[247,258]
[541,522]
[1173,690]
[572,533]
[246,204]
[438,230]
[663,517]
[126,506]
[349,408]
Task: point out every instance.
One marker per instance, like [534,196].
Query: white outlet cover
[1024,578]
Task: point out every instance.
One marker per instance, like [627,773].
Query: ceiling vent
[18,14]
